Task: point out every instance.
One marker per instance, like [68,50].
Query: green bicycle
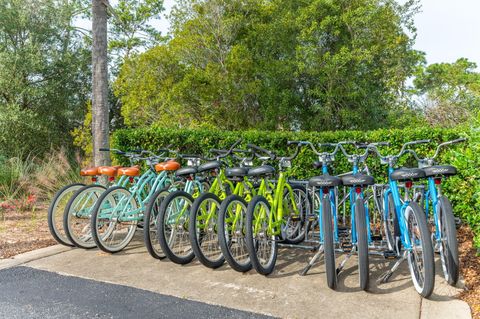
[275,213]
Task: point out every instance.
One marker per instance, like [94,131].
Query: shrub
[463,189]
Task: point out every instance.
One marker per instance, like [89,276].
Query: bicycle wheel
[204,232]
[328,243]
[295,223]
[420,257]
[362,243]
[390,225]
[114,219]
[150,235]
[56,210]
[261,244]
[448,241]
[172,227]
[77,214]
[231,233]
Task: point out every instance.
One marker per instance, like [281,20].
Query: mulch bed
[470,268]
[22,231]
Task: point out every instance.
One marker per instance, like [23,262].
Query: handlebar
[254,147]
[437,151]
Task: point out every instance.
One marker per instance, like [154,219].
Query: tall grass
[27,179]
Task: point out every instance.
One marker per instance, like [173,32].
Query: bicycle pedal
[295,218]
[377,237]
[343,232]
[389,254]
[346,246]
[311,218]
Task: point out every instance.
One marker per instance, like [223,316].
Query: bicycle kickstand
[385,277]
[342,264]
[312,261]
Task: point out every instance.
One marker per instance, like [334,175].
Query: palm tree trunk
[100,110]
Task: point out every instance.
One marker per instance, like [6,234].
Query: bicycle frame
[355,193]
[333,205]
[139,194]
[85,211]
[275,221]
[399,209]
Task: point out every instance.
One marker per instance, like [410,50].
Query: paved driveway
[282,294]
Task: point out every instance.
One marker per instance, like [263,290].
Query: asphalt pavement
[31,293]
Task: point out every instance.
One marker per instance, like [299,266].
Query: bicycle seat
[440,170]
[236,171]
[110,171]
[407,174]
[261,170]
[90,171]
[167,166]
[188,170]
[358,179]
[129,171]
[209,166]
[325,181]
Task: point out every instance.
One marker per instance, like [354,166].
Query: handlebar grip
[327,144]
[189,156]
[104,149]
[421,141]
[458,140]
[218,151]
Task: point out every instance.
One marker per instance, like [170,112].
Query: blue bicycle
[405,223]
[439,211]
[353,240]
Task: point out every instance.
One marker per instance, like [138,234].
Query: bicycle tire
[253,244]
[161,231]
[449,251]
[69,231]
[101,240]
[425,289]
[151,214]
[300,229]
[233,259]
[197,239]
[328,243]
[56,230]
[362,244]
[392,232]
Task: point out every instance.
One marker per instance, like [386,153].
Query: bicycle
[77,212]
[117,212]
[185,181]
[439,211]
[406,224]
[269,212]
[175,219]
[231,216]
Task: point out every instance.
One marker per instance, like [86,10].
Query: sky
[446,29]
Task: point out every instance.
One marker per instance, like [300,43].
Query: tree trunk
[100,110]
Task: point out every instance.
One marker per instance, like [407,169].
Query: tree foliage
[44,74]
[274,64]
[450,92]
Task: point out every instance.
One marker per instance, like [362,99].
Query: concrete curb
[33,255]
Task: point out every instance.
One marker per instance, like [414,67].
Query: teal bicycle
[118,211]
[78,210]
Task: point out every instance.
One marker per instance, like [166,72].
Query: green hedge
[461,189]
